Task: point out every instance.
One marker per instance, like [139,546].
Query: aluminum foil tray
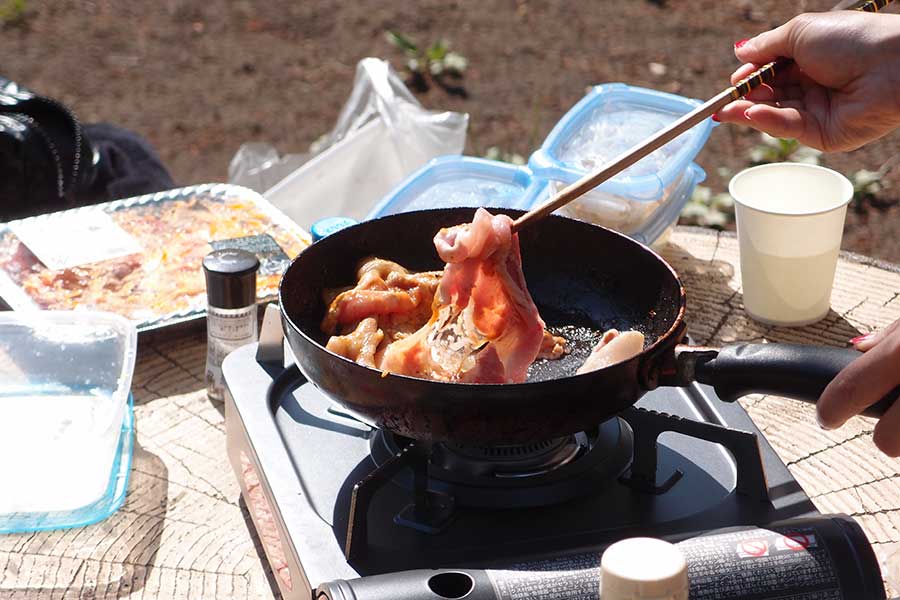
[162,285]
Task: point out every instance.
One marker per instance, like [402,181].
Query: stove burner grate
[438,487]
[522,460]
[503,453]
[528,475]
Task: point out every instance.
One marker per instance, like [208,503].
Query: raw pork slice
[614,347]
[484,327]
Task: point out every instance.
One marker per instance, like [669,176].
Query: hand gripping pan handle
[789,370]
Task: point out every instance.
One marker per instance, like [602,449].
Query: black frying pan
[584,279]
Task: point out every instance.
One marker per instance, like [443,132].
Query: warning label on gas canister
[760,563]
[791,542]
[573,578]
[796,542]
[753,549]
[788,564]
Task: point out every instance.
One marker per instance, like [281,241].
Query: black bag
[50,162]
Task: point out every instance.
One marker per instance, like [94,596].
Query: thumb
[772,44]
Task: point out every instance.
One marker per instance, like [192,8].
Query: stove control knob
[643,569]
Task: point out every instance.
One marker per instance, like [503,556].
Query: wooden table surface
[183,533]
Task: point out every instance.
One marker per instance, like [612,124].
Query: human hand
[863,383]
[843,90]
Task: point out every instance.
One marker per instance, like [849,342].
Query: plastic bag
[258,166]
[382,135]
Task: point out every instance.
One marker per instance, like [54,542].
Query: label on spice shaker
[227,330]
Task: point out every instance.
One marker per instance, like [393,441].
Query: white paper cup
[790,221]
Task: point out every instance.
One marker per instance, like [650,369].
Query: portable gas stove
[336,499]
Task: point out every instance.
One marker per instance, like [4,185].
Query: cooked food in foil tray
[142,257]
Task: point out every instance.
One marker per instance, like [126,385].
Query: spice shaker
[231,320]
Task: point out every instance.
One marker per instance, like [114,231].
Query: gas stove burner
[344,505]
[516,476]
[520,460]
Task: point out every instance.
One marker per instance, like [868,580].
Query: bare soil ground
[200,78]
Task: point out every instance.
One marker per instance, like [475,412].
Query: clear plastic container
[451,181]
[65,380]
[647,221]
[644,200]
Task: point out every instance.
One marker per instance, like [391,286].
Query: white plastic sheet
[382,135]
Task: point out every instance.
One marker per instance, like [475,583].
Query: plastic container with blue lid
[66,420]
[643,201]
[647,222]
[451,181]
[611,120]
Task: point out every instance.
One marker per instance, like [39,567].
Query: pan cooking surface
[581,336]
[579,340]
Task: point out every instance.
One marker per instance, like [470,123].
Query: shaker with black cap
[231,320]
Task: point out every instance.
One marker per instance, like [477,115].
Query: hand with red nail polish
[843,90]
[863,383]
[864,342]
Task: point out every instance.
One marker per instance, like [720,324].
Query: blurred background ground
[199,78]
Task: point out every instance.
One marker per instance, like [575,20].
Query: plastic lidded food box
[648,222]
[141,257]
[451,181]
[66,422]
[607,122]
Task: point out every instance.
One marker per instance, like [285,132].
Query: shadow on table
[169,364]
[219,405]
[125,544]
[716,316]
[715,308]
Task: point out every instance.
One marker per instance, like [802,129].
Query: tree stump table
[184,533]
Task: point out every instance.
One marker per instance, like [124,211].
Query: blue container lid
[325,227]
[451,181]
[588,135]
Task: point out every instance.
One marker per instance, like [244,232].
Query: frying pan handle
[789,370]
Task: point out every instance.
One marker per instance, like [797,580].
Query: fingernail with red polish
[741,43]
[862,338]
[716,118]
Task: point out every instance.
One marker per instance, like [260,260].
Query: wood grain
[183,533]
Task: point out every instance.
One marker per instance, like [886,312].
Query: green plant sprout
[435,64]
[772,149]
[707,209]
[496,153]
[12,11]
[868,185]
